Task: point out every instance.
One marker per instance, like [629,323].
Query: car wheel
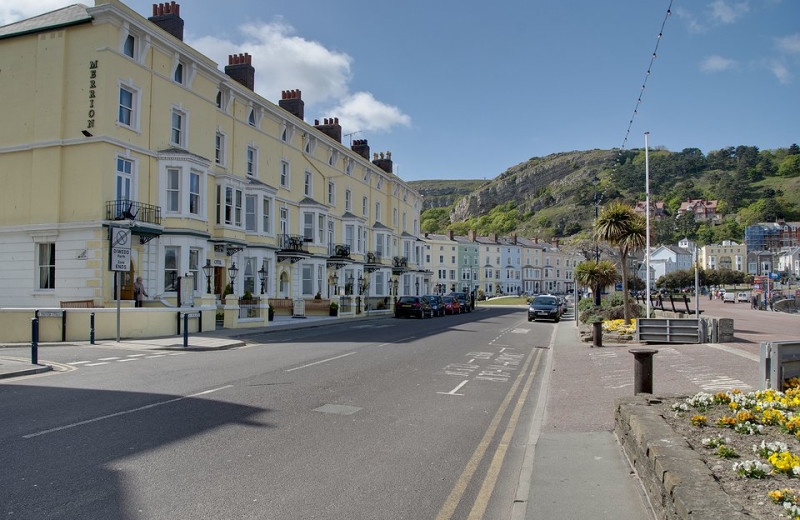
[556,320]
[530,319]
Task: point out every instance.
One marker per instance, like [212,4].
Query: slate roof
[70,15]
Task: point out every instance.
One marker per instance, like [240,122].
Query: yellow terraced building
[112,121]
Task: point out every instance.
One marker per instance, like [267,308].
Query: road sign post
[119,260]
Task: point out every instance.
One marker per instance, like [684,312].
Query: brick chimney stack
[472,235]
[384,162]
[361,147]
[241,70]
[330,127]
[292,102]
[168,17]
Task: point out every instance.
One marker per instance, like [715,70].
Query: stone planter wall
[678,483]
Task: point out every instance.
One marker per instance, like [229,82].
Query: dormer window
[219,99]
[178,75]
[311,145]
[380,183]
[129,47]
[251,119]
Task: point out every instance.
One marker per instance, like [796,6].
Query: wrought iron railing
[374,258]
[293,243]
[133,210]
[339,251]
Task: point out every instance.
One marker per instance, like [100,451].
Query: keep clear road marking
[460,487]
[124,412]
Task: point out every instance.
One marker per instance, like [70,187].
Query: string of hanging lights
[647,75]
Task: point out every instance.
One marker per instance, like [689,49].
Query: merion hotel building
[112,121]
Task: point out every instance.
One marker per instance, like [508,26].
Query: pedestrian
[139,292]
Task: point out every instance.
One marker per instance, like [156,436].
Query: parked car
[742,297]
[546,306]
[463,300]
[437,304]
[451,305]
[413,306]
[728,297]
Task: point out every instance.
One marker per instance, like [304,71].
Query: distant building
[765,241]
[703,210]
[728,255]
[657,209]
[667,259]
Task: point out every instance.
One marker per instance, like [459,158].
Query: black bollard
[91,328]
[185,330]
[35,341]
[643,370]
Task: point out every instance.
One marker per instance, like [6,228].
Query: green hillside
[553,196]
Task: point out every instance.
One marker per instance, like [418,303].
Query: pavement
[573,464]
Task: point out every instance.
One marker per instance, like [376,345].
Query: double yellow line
[490,480]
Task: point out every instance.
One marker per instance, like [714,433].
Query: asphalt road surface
[386,419]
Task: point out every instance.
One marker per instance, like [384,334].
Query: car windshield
[543,301]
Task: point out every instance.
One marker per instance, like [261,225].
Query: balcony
[399,265]
[145,218]
[293,248]
[374,261]
[339,255]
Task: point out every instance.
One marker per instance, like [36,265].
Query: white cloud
[717,63]
[727,13]
[362,112]
[781,72]
[789,44]
[285,61]
[13,10]
[692,23]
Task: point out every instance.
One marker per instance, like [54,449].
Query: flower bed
[750,442]
[618,327]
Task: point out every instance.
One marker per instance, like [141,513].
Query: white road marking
[135,355]
[96,364]
[124,412]
[107,358]
[78,363]
[157,355]
[456,389]
[124,360]
[320,362]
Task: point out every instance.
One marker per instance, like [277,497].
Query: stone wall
[678,483]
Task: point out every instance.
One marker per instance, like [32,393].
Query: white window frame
[285,174]
[251,161]
[250,212]
[125,181]
[220,144]
[195,193]
[45,263]
[266,215]
[348,200]
[181,130]
[173,191]
[132,110]
[331,193]
[365,206]
[308,183]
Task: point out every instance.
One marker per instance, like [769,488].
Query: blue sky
[464,90]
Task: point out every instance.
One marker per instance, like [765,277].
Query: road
[385,419]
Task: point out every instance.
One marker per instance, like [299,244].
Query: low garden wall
[678,483]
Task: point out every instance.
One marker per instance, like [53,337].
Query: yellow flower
[784,461]
[699,420]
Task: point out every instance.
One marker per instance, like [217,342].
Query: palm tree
[596,275]
[620,226]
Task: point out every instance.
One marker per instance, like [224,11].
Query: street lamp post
[207,270]
[262,276]
[232,272]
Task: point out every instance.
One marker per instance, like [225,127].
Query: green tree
[686,225]
[789,166]
[620,226]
